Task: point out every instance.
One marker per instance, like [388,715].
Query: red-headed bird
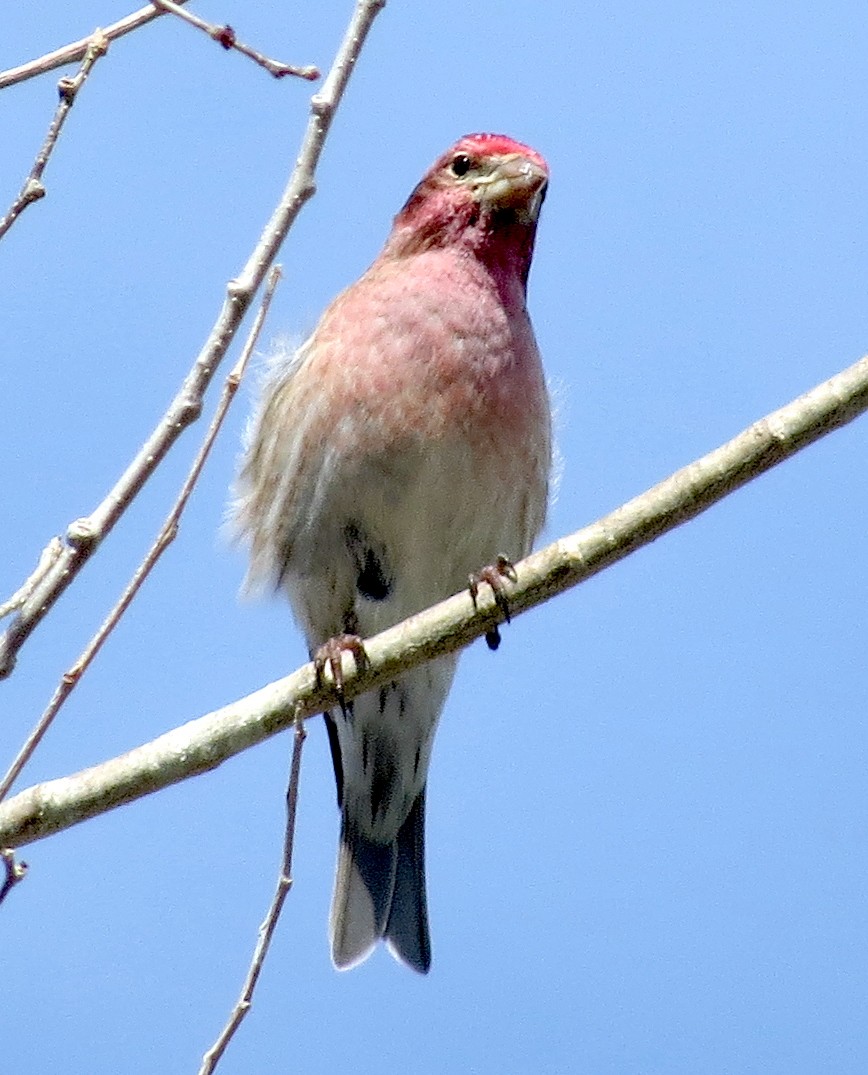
[405,445]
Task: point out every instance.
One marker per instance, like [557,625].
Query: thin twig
[225,36]
[14,871]
[266,930]
[46,558]
[75,51]
[203,744]
[84,535]
[69,680]
[68,88]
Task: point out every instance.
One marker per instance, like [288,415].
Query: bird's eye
[461,164]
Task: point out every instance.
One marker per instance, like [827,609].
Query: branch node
[98,44]
[33,191]
[82,534]
[189,411]
[67,88]
[225,36]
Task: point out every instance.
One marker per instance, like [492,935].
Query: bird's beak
[514,182]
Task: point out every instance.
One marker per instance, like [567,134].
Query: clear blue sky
[648,812]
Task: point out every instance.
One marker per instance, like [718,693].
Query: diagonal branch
[204,743]
[168,532]
[77,49]
[67,88]
[269,925]
[46,558]
[84,535]
[226,37]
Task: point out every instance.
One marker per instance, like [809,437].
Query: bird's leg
[331,653]
[494,574]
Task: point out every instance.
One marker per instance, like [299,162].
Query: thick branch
[84,535]
[204,743]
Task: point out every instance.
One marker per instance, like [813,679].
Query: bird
[402,448]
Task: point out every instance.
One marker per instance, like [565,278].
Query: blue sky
[647,814]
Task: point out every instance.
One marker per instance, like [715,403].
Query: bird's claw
[494,574]
[331,654]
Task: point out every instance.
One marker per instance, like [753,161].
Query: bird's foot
[494,574]
[330,654]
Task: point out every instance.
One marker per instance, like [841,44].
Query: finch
[405,445]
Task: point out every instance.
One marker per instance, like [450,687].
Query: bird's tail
[380,893]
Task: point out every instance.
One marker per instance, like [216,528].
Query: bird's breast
[431,350]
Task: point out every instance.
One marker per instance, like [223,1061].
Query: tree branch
[46,558]
[168,532]
[76,50]
[225,36]
[67,88]
[84,535]
[269,924]
[204,743]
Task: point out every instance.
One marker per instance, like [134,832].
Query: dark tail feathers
[380,893]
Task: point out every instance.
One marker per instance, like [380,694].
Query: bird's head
[484,193]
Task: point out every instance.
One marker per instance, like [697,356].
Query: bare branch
[75,51]
[266,930]
[46,558]
[84,535]
[68,88]
[70,679]
[204,743]
[225,36]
